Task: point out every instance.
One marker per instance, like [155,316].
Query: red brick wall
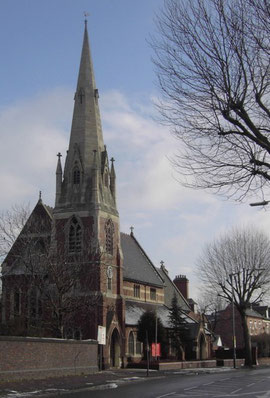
[24,358]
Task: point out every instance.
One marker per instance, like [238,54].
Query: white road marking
[166,395]
[249,385]
[190,388]
[239,389]
[208,384]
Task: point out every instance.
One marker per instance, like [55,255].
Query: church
[71,270]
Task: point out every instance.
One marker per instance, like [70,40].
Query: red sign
[155,350]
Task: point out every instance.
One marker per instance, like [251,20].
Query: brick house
[257,319]
[71,269]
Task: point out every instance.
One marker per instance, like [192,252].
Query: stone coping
[46,340]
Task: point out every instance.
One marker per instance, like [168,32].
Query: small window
[109,283]
[131,343]
[76,176]
[75,236]
[138,347]
[35,306]
[81,95]
[109,231]
[17,303]
[137,291]
[153,294]
[11,304]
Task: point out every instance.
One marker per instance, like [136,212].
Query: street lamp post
[233,323]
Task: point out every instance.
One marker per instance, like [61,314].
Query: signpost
[101,338]
[155,348]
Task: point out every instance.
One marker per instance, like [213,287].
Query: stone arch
[115,349]
[202,347]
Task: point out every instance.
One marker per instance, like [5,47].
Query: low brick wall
[264,361]
[30,357]
[212,363]
[187,364]
[229,363]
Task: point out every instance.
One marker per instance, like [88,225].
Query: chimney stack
[182,283]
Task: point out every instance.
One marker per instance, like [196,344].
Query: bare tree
[11,223]
[210,303]
[236,267]
[212,63]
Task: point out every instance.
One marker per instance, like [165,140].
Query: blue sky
[40,51]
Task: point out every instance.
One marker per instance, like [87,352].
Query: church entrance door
[202,347]
[115,349]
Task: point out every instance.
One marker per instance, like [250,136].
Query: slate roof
[253,313]
[137,265]
[263,310]
[134,311]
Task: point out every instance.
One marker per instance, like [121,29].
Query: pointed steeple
[86,130]
[112,178]
[85,183]
[59,174]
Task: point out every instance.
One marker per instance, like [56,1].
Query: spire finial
[112,160]
[39,195]
[162,263]
[86,14]
[131,230]
[59,155]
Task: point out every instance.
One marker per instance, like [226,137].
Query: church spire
[87,182]
[58,179]
[86,132]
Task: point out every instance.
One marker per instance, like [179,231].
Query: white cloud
[32,133]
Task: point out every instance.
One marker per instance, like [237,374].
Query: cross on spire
[131,230]
[86,14]
[59,155]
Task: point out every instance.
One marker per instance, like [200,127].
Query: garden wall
[33,358]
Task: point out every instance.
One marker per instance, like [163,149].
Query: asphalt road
[239,383]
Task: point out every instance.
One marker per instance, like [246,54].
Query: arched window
[76,175]
[35,306]
[11,298]
[75,236]
[131,343]
[109,230]
[17,302]
[138,347]
[109,284]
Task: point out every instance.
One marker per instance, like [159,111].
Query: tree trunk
[247,341]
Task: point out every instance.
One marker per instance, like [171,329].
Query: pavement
[55,386]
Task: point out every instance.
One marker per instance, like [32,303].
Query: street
[239,383]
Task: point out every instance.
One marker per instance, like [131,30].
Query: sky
[40,46]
